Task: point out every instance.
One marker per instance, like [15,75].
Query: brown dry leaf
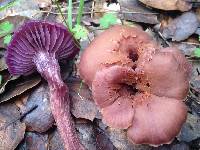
[86,135]
[102,140]
[41,119]
[90,137]
[26,8]
[82,104]
[11,134]
[187,49]
[181,5]
[15,87]
[98,7]
[34,141]
[191,129]
[120,141]
[3,65]
[55,142]
[181,27]
[7,78]
[139,12]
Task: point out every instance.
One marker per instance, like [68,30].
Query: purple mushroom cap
[36,36]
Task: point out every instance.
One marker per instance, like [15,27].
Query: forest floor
[26,121]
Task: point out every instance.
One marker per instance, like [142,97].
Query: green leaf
[107,20]
[80,12]
[69,15]
[80,32]
[5,28]
[197,52]
[7,39]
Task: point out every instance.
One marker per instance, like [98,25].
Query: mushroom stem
[48,67]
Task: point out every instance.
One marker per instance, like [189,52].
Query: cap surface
[117,45]
[138,85]
[34,37]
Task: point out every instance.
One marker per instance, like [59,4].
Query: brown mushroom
[182,5]
[137,85]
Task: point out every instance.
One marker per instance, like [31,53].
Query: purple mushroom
[39,45]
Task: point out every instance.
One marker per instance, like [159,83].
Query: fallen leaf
[27,8]
[181,5]
[181,27]
[55,143]
[102,140]
[10,134]
[41,119]
[7,78]
[82,104]
[86,135]
[34,141]
[3,65]
[191,129]
[85,132]
[134,11]
[187,49]
[120,141]
[43,3]
[14,88]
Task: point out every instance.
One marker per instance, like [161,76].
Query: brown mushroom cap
[157,120]
[118,45]
[167,74]
[116,101]
[137,85]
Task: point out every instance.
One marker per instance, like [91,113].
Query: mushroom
[182,5]
[138,85]
[39,45]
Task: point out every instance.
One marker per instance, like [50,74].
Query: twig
[90,12]
[60,12]
[191,43]
[160,34]
[85,1]
[48,13]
